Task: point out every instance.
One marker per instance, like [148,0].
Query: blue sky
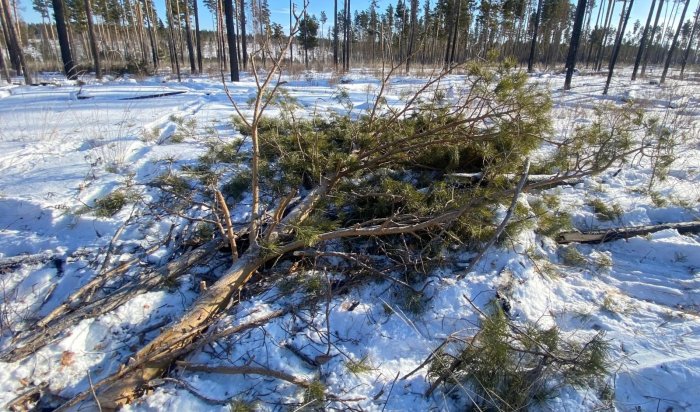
[280,10]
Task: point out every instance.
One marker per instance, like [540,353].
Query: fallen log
[14,261]
[533,181]
[608,235]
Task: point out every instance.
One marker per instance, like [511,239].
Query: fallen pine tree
[378,181]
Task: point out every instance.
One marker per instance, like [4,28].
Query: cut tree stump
[608,235]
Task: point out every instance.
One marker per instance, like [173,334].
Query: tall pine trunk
[690,41]
[674,43]
[231,38]
[188,37]
[645,57]
[616,48]
[643,42]
[197,34]
[573,46]
[335,35]
[244,39]
[533,44]
[412,35]
[66,55]
[93,39]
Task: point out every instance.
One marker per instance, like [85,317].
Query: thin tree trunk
[231,37]
[244,39]
[93,39]
[690,40]
[335,35]
[3,67]
[643,42]
[533,44]
[573,46]
[645,57]
[604,37]
[590,43]
[198,34]
[13,43]
[188,37]
[151,36]
[172,40]
[674,43]
[66,55]
[455,35]
[412,38]
[616,49]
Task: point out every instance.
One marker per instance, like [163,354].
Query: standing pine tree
[616,49]
[690,40]
[533,44]
[643,41]
[231,38]
[66,55]
[674,43]
[573,46]
[308,35]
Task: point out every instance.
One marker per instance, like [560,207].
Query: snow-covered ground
[63,147]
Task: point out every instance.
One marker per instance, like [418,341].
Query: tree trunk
[604,37]
[573,46]
[93,39]
[412,38]
[3,67]
[172,40]
[590,43]
[690,41]
[455,35]
[14,46]
[645,57]
[335,35]
[616,49]
[188,37]
[151,35]
[643,42]
[674,43]
[11,50]
[244,40]
[66,55]
[231,37]
[198,34]
[533,45]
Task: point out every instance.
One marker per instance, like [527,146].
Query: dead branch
[25,345]
[503,224]
[14,261]
[244,370]
[229,226]
[608,235]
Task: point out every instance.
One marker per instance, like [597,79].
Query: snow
[58,154]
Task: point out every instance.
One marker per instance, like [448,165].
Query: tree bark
[601,236]
[188,37]
[616,49]
[335,35]
[231,37]
[198,34]
[412,38]
[643,42]
[645,57]
[244,39]
[533,44]
[66,55]
[674,43]
[573,46]
[690,41]
[93,39]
